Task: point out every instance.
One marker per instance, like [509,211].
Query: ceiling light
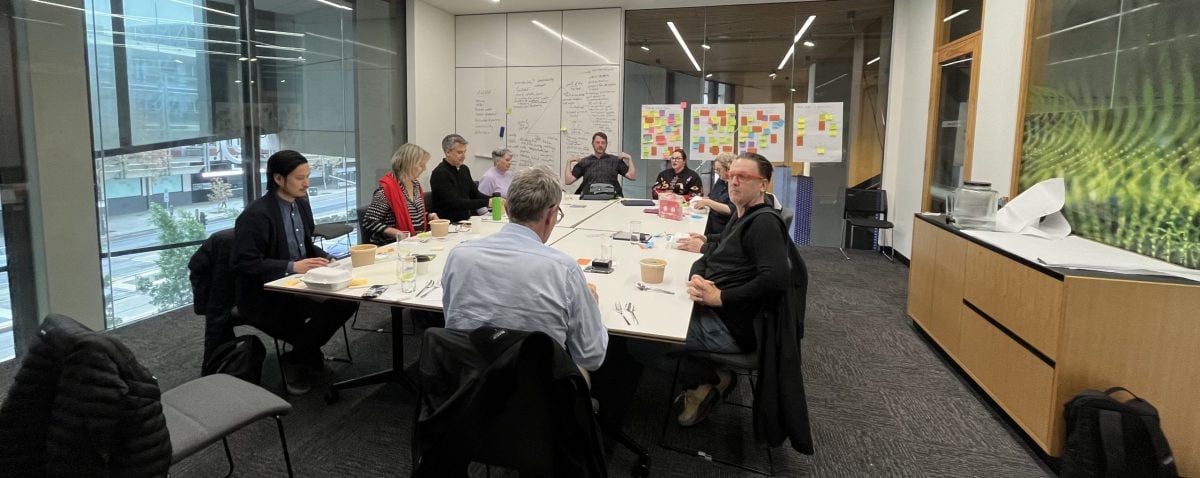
[495,1]
[205,8]
[809,44]
[705,46]
[964,60]
[644,47]
[792,49]
[242,58]
[178,60]
[283,81]
[772,75]
[793,90]
[569,40]
[872,62]
[336,5]
[254,59]
[955,15]
[708,75]
[683,45]
[237,81]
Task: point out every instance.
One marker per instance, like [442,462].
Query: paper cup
[362,255]
[652,270]
[439,227]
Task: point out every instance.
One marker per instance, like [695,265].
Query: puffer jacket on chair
[81,406]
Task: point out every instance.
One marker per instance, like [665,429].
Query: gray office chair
[210,408]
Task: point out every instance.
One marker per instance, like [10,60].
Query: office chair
[77,386]
[862,209]
[507,398]
[331,231]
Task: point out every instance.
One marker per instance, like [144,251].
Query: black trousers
[305,322]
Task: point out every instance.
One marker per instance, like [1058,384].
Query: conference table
[585,226]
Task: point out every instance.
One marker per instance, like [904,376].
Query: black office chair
[862,209]
[508,398]
[331,231]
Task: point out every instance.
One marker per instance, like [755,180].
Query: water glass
[406,273]
[402,248]
[606,249]
[635,231]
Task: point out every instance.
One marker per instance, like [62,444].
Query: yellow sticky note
[821,151]
[801,121]
[833,134]
[508,111]
[800,132]
[563,129]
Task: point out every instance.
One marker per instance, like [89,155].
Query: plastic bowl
[327,286]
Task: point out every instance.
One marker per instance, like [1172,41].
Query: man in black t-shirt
[600,167]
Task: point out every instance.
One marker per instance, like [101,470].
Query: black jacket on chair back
[210,271]
[508,398]
[81,406]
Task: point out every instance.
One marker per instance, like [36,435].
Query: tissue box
[670,206]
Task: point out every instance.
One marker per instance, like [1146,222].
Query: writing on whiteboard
[590,104]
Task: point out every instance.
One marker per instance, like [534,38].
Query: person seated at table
[513,280]
[600,167]
[717,202]
[455,196]
[497,178]
[703,242]
[398,205]
[678,179]
[272,239]
[729,287]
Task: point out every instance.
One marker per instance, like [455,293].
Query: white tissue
[1024,213]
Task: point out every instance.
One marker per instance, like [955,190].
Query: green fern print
[1130,154]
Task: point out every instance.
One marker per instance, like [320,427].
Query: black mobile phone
[374,291]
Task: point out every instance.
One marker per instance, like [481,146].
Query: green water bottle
[497,207]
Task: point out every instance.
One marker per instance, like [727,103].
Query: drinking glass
[635,231]
[406,272]
[402,248]
[606,249]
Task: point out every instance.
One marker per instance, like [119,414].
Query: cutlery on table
[629,308]
[436,285]
[424,288]
[622,312]
[641,286]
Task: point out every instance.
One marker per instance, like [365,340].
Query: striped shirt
[378,216]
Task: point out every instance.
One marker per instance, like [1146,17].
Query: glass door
[954,100]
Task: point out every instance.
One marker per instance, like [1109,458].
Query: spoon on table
[641,286]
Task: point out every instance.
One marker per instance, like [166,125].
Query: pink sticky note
[683,104]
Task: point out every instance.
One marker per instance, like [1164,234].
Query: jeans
[706,333]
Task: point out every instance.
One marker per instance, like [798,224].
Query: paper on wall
[1024,213]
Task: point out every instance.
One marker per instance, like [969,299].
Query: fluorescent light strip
[1098,20]
[792,50]
[275,32]
[352,42]
[218,174]
[34,20]
[336,5]
[683,45]
[570,40]
[830,81]
[114,15]
[955,15]
[872,62]
[234,15]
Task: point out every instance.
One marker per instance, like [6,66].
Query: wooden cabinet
[1032,337]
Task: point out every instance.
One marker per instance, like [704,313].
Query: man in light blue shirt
[513,280]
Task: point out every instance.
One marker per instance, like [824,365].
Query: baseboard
[899,257]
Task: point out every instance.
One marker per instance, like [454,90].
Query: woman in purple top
[497,179]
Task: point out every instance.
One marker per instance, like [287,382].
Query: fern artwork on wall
[1112,107]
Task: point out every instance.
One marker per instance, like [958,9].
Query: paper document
[1024,213]
[1075,252]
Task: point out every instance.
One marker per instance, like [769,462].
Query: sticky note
[683,104]
[774,138]
[745,120]
[723,118]
[653,151]
[722,113]
[761,116]
[774,117]
[704,112]
[660,140]
[563,129]
[695,121]
[821,151]
[799,140]
[508,111]
[758,129]
[833,134]
[801,121]
[671,119]
[727,149]
[713,150]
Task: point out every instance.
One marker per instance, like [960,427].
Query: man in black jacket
[455,196]
[273,238]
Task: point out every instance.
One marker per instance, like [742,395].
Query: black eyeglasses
[561,215]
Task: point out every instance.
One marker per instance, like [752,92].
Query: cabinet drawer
[1014,377]
[1024,300]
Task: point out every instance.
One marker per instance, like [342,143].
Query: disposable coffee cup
[423,262]
[652,270]
[439,227]
[362,255]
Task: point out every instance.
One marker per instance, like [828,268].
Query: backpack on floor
[241,357]
[1107,437]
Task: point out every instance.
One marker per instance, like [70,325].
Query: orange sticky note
[701,148]
[714,150]
[774,138]
[723,120]
[660,139]
[757,129]
[745,120]
[721,113]
[703,112]
[727,148]
[800,140]
[774,117]
[762,116]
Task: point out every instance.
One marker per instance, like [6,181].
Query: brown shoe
[696,404]
[726,382]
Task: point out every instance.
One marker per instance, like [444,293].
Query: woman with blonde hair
[718,197]
[398,205]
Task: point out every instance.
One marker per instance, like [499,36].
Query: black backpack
[241,357]
[1110,438]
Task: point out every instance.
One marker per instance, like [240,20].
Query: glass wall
[188,99]
[1112,107]
[786,53]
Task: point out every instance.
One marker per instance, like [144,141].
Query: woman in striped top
[399,202]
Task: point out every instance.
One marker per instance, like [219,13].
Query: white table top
[617,217]
[660,316]
[575,210]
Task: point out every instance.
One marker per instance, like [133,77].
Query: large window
[1111,106]
[188,100]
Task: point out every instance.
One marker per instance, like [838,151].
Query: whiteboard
[479,107]
[713,128]
[591,102]
[762,129]
[818,132]
[662,130]
[479,40]
[592,37]
[535,39]
[534,104]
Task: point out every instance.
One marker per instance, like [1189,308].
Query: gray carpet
[882,402]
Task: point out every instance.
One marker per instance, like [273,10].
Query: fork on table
[622,312]
[629,308]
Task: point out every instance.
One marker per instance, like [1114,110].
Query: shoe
[697,403]
[296,380]
[727,382]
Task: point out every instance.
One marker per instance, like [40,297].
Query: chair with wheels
[863,208]
[81,405]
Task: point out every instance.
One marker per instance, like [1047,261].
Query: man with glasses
[678,179]
[513,280]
